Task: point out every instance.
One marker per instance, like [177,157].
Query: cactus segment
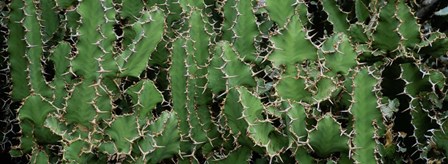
[145,97]
[34,49]
[421,88]
[32,121]
[85,63]
[16,49]
[435,45]
[162,139]
[297,123]
[328,131]
[178,80]
[233,114]
[197,57]
[61,64]
[292,45]
[337,17]
[279,11]
[385,36]
[39,156]
[362,10]
[28,112]
[131,10]
[245,31]
[79,110]
[53,123]
[303,156]
[77,151]
[365,114]
[107,64]
[229,11]
[408,28]
[440,138]
[259,130]
[150,32]
[124,130]
[292,87]
[215,70]
[344,57]
[227,66]
[50,19]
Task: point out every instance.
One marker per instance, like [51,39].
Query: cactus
[223,81]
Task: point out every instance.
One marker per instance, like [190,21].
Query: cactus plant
[223,81]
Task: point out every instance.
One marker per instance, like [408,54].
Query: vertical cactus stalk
[16,49]
[366,116]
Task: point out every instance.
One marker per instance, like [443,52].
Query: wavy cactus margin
[223,81]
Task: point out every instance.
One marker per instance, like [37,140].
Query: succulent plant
[222,81]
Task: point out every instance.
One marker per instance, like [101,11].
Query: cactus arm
[34,50]
[57,127]
[108,67]
[325,87]
[290,87]
[131,10]
[61,63]
[232,113]
[146,42]
[145,97]
[227,66]
[245,31]
[85,63]
[296,125]
[50,19]
[39,156]
[16,49]
[337,17]
[435,45]
[27,111]
[328,131]
[362,10]
[198,96]
[123,131]
[31,120]
[77,151]
[422,91]
[79,110]
[303,156]
[358,33]
[229,11]
[291,46]
[259,130]
[440,138]
[344,57]
[385,36]
[64,3]
[279,11]
[408,28]
[365,112]
[165,136]
[187,5]
[178,82]
[215,70]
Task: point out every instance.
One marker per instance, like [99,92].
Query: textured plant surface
[224,81]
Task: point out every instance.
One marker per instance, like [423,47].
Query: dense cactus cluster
[223,81]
